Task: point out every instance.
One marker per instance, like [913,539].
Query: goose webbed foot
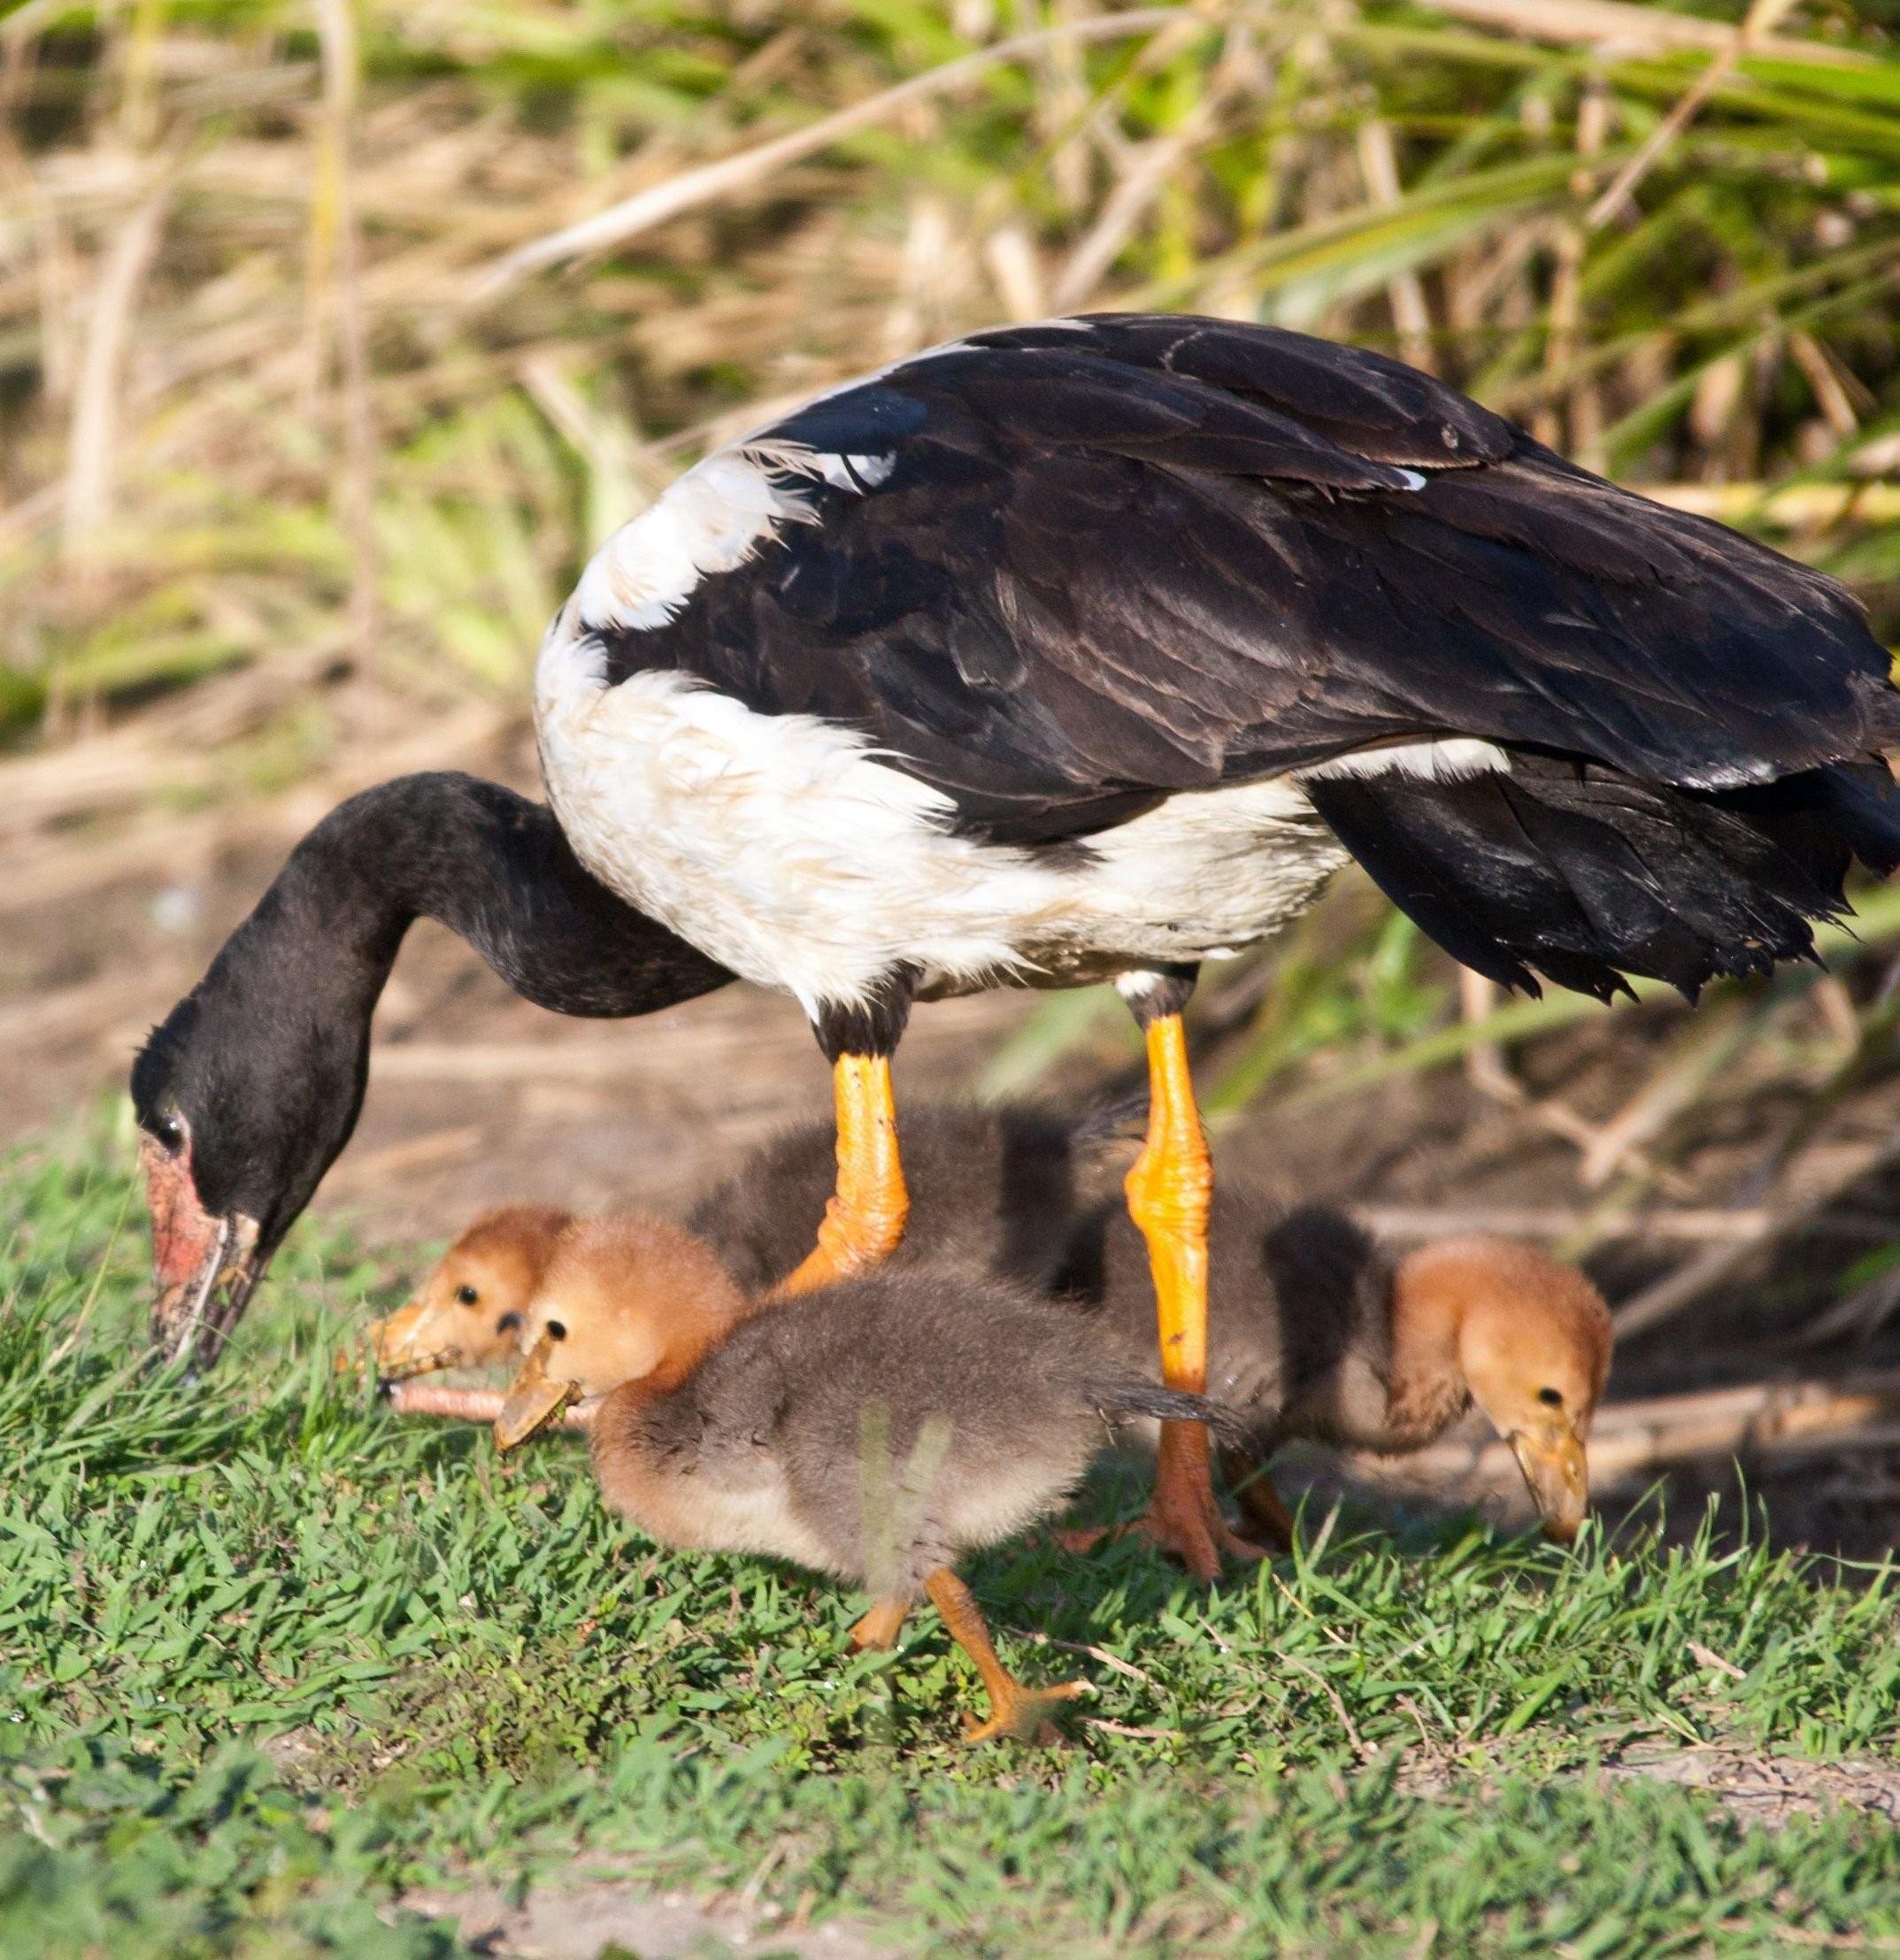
[1179,1522]
[879,1628]
[1018,1712]
[1183,1518]
[1265,1510]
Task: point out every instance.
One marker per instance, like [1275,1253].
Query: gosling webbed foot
[1018,1713]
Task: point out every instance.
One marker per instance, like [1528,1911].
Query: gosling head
[467,1312]
[1532,1339]
[623,1300]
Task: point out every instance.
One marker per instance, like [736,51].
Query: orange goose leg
[864,1218]
[1170,1195]
[1016,1710]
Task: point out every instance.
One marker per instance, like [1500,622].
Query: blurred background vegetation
[334,333]
[318,352]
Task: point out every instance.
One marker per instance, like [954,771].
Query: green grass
[267,1655]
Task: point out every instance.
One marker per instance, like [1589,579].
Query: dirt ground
[580,1919]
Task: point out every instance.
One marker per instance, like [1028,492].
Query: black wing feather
[1142,554]
[1586,875]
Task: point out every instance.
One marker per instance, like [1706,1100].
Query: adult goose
[1090,649]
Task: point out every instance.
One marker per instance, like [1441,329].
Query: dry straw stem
[1703,1224]
[91,457]
[1147,175]
[1703,1048]
[1816,1414]
[1565,21]
[1762,18]
[1584,401]
[1799,506]
[1379,162]
[1645,30]
[334,222]
[1682,1288]
[641,213]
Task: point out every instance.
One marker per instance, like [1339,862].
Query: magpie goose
[1090,650]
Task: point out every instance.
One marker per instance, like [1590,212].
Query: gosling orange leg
[1170,1198]
[1016,1710]
[881,1627]
[1078,1538]
[1261,1505]
[864,1218]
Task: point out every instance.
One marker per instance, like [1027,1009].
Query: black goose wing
[1060,571]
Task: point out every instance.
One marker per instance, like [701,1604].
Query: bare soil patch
[577,1920]
[1764,1790]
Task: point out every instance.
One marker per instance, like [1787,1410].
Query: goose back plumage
[1052,578]
[1134,553]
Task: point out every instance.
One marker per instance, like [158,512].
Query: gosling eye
[467,1296]
[556,1331]
[1551,1398]
[168,1132]
[509,1323]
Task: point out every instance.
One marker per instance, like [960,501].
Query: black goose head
[248,1089]
[245,1093]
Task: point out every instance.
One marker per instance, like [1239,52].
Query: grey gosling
[878,1430]
[1316,1332]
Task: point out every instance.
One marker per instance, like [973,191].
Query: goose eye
[168,1133]
[1551,1398]
[467,1296]
[556,1331]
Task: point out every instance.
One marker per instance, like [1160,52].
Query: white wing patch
[784,848]
[777,843]
[715,517]
[854,473]
[712,520]
[1449,761]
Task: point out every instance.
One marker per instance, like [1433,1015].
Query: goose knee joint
[857,1235]
[1172,1196]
